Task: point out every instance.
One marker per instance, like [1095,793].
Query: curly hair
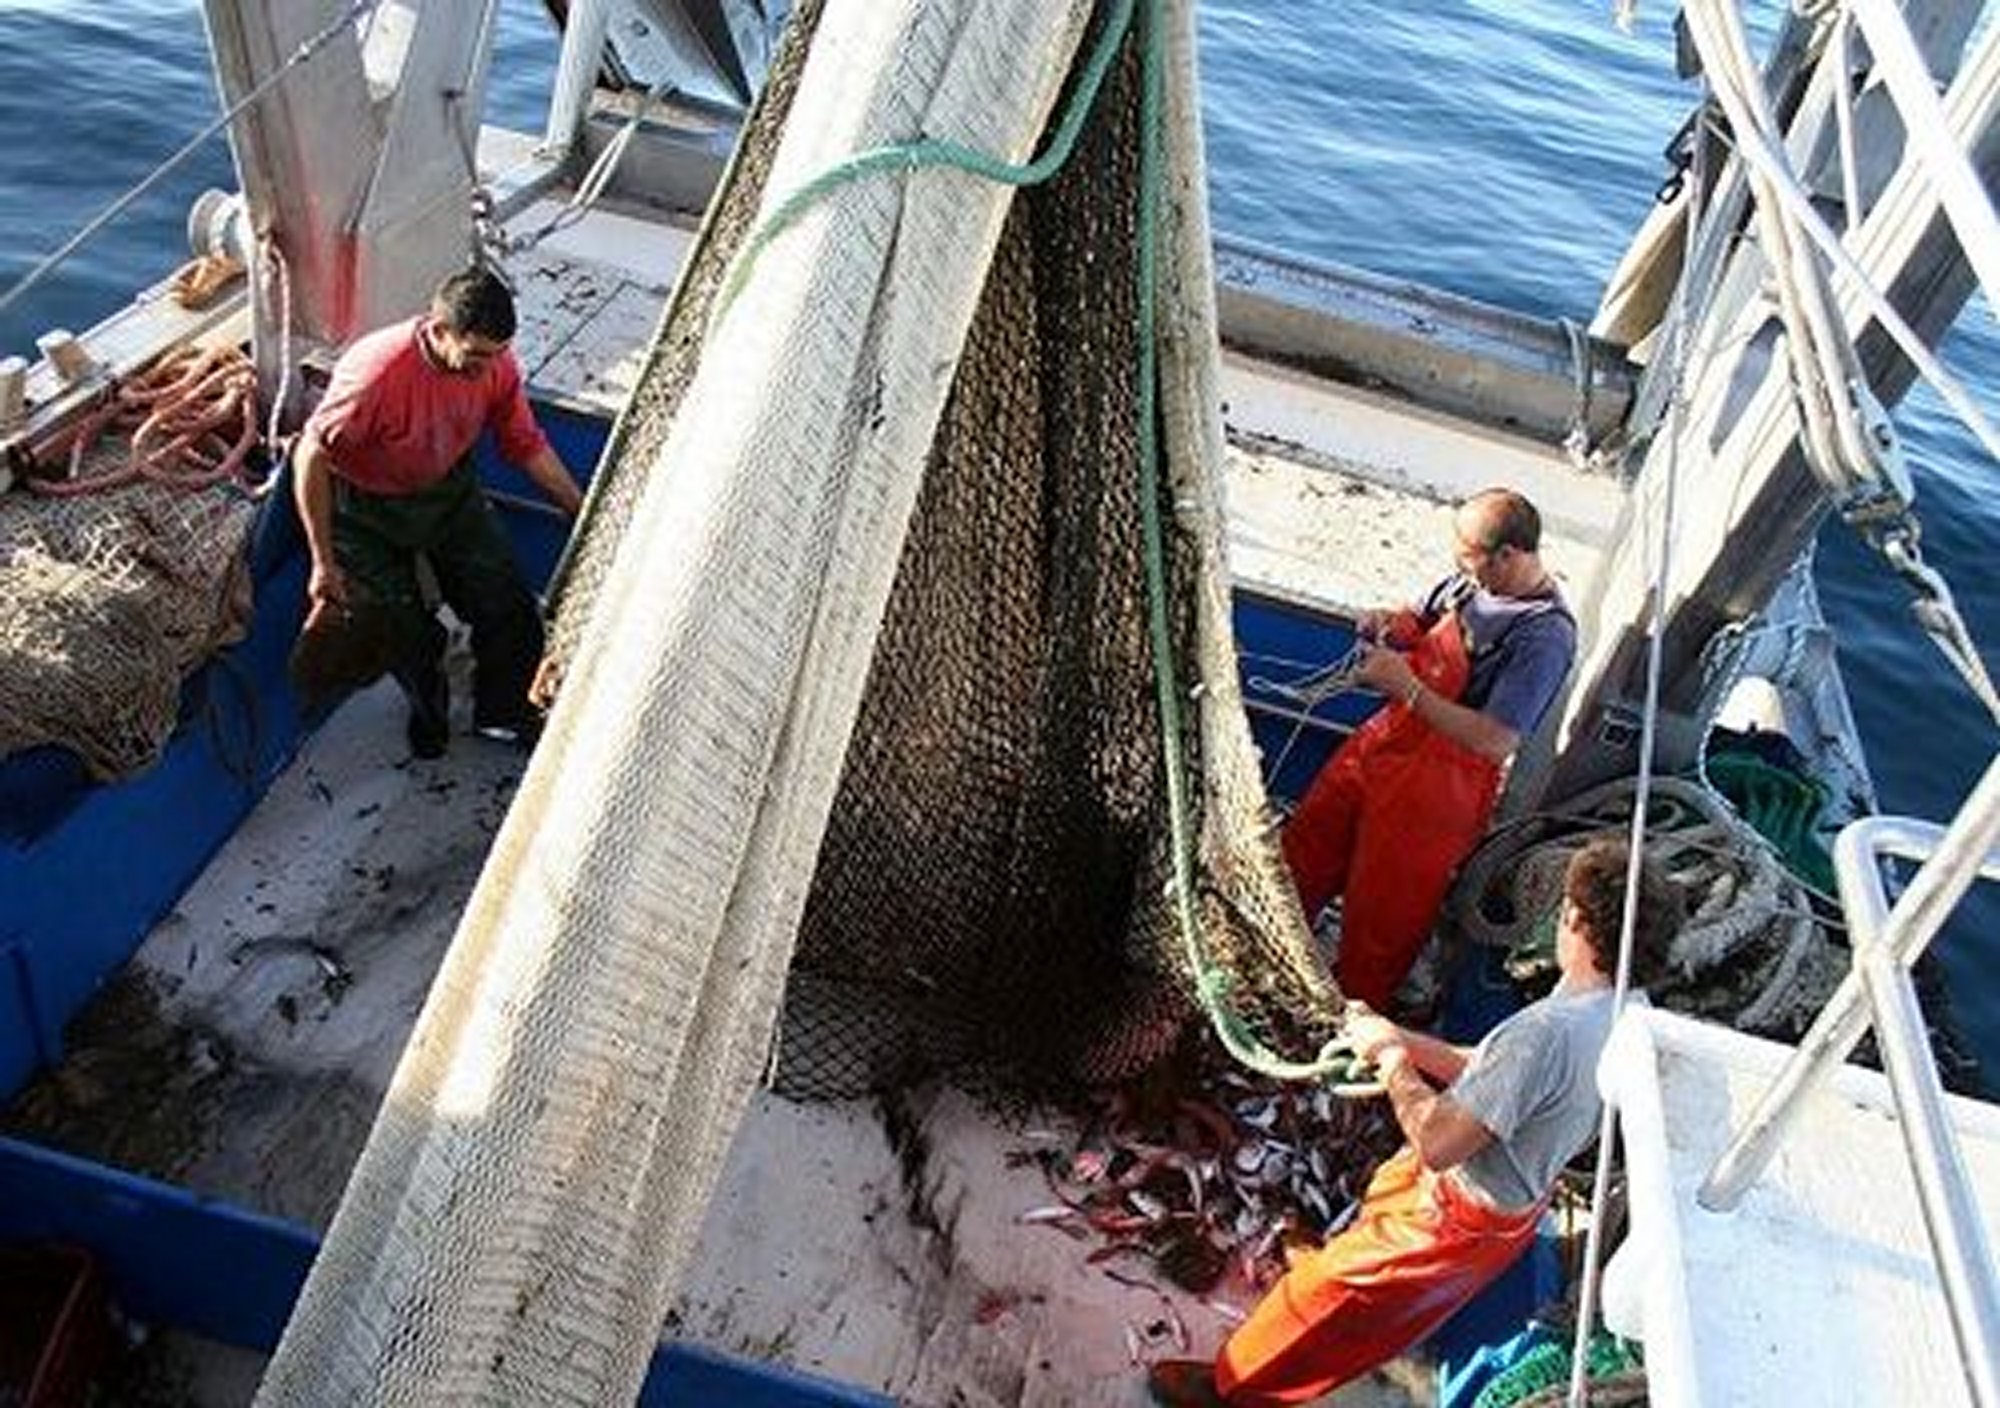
[1595,884]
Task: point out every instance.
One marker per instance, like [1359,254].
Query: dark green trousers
[378,539]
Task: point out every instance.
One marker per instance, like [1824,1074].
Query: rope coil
[177,418]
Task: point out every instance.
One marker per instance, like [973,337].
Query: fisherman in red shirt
[383,475]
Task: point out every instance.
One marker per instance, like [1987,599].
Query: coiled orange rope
[190,419]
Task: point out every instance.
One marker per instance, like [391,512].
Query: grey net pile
[107,600]
[992,893]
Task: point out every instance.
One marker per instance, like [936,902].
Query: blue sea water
[1502,149]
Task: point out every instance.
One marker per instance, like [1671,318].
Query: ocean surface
[1502,149]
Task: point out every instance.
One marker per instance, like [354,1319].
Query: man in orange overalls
[1469,674]
[1460,1202]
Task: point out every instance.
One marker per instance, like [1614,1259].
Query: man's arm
[521,440]
[1442,1132]
[1436,1125]
[312,491]
[552,477]
[1389,672]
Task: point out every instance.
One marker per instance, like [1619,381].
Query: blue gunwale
[178,1261]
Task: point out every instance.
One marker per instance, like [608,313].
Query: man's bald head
[1493,519]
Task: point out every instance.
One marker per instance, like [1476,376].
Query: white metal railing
[1879,989]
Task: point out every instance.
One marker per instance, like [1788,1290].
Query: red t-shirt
[395,422]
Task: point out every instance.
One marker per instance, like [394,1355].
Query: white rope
[1316,685]
[305,51]
[271,260]
[1576,441]
[1309,691]
[1684,317]
[591,188]
[1843,113]
[1824,368]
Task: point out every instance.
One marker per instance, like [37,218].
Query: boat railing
[1879,991]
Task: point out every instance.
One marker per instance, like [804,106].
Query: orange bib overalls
[1387,822]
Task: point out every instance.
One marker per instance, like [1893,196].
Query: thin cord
[281,278]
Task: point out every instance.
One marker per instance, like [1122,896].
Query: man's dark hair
[1595,884]
[475,301]
[1510,520]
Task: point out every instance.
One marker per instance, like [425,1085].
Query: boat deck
[258,1027]
[1845,1303]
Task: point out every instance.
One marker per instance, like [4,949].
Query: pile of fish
[1209,1186]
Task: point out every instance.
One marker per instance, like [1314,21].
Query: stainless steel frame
[1885,943]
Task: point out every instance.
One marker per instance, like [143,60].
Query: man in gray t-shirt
[1529,1085]
[1489,1130]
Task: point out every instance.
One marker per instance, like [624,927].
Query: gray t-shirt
[1532,1083]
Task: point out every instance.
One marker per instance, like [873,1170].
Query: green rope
[1547,1366]
[1212,985]
[937,152]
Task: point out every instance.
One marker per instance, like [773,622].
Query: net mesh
[107,600]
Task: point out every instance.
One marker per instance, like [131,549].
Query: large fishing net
[857,615]
[115,581]
[994,888]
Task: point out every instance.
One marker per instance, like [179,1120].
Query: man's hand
[1389,672]
[1369,1032]
[326,595]
[1397,626]
[1391,1058]
[327,586]
[1378,1040]
[547,682]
